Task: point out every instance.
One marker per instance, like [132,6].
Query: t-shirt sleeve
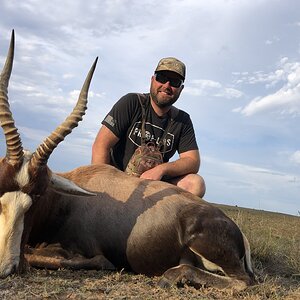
[187,139]
[119,118]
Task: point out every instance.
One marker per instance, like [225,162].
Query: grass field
[275,243]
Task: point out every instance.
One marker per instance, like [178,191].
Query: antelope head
[24,176]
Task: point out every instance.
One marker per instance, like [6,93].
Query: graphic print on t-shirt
[153,133]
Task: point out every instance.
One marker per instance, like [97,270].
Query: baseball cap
[171,64]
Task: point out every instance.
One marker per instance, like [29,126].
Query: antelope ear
[68,187]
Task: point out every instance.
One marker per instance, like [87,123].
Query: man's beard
[163,104]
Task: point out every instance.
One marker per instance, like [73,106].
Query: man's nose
[167,85]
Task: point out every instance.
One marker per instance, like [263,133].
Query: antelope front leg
[192,276]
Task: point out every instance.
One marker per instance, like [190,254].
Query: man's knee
[193,183]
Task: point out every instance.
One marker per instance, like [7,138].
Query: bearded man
[152,118]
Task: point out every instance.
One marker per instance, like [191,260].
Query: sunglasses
[174,82]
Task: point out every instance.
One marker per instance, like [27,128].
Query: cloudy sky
[242,88]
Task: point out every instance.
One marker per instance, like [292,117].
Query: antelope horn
[14,149]
[42,153]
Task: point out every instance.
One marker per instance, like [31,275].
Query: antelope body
[149,227]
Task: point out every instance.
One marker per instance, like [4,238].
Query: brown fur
[149,227]
[7,175]
[145,226]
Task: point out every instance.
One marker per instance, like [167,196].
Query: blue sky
[242,88]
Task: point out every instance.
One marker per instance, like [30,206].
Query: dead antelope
[149,227]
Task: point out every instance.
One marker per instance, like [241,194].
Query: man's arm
[104,141]
[188,163]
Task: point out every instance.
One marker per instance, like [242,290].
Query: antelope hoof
[164,283]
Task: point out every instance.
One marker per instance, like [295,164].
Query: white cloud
[206,84]
[212,88]
[281,102]
[237,109]
[229,93]
[33,134]
[270,79]
[253,170]
[238,181]
[286,100]
[272,40]
[68,76]
[295,157]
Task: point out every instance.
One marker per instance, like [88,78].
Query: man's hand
[155,173]
[188,163]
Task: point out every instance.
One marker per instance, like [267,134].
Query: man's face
[165,88]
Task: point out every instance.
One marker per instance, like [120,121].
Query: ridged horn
[14,149]
[42,153]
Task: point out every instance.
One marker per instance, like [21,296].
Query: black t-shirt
[125,119]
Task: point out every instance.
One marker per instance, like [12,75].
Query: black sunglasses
[174,82]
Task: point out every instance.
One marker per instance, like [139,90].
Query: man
[120,133]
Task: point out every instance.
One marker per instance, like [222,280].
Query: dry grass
[275,243]
[274,239]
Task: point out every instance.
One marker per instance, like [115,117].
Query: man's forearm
[180,167]
[104,141]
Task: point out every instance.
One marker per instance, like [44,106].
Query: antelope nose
[7,272]
[14,269]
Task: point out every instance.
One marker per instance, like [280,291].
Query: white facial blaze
[13,206]
[22,177]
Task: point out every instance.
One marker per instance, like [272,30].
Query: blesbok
[149,227]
